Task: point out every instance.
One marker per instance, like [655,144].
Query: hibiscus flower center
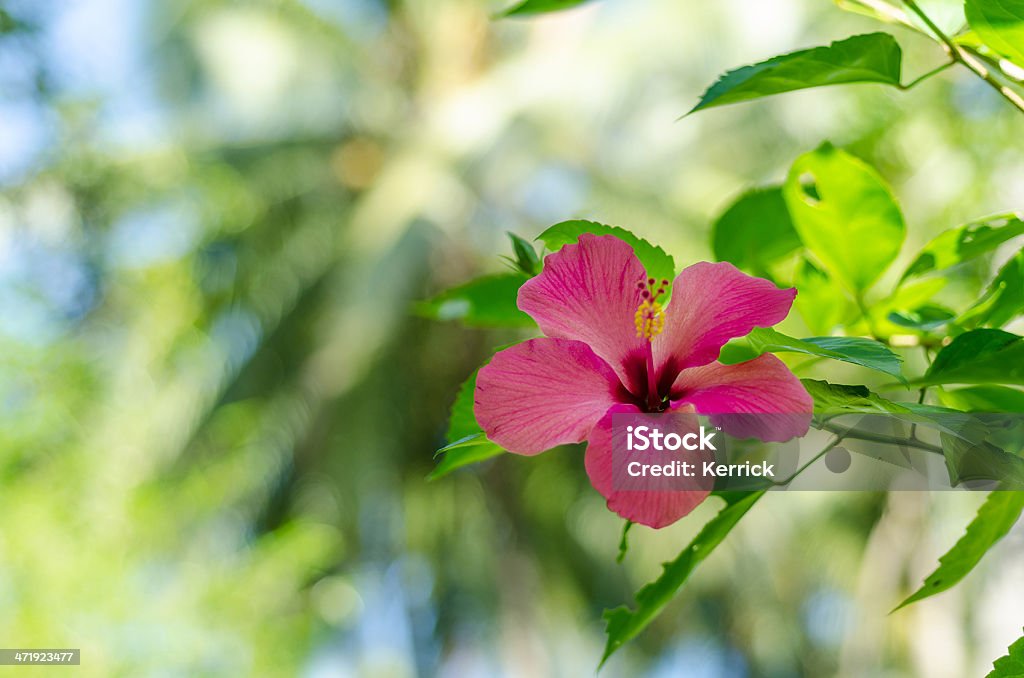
[650,321]
[650,316]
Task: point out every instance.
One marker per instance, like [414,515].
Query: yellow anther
[650,316]
[649,319]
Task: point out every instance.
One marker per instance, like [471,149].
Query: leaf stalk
[964,57]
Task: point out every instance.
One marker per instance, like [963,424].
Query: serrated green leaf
[856,350]
[947,420]
[529,7]
[986,398]
[843,398]
[489,301]
[994,519]
[874,57]
[1012,664]
[973,460]
[964,243]
[466,442]
[1000,24]
[845,215]
[658,263]
[623,624]
[968,455]
[982,356]
[755,231]
[1003,300]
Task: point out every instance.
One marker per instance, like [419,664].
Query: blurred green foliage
[218,412]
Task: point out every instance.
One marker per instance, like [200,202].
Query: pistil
[650,321]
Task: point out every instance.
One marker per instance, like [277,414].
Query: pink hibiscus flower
[611,347]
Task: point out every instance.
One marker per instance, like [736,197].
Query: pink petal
[711,304]
[588,292]
[654,508]
[542,393]
[762,386]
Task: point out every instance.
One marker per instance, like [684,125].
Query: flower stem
[962,56]
[993,63]
[858,434]
[935,71]
[855,434]
[623,543]
[825,450]
[653,398]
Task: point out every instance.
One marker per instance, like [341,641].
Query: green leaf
[924,318]
[986,398]
[1000,23]
[904,303]
[874,57]
[969,38]
[658,264]
[1012,665]
[489,301]
[528,7]
[624,624]
[526,259]
[843,398]
[755,231]
[845,215]
[856,350]
[964,243]
[875,9]
[982,356]
[467,443]
[737,351]
[470,451]
[461,420]
[994,519]
[1003,300]
[969,460]
[821,301]
[968,455]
